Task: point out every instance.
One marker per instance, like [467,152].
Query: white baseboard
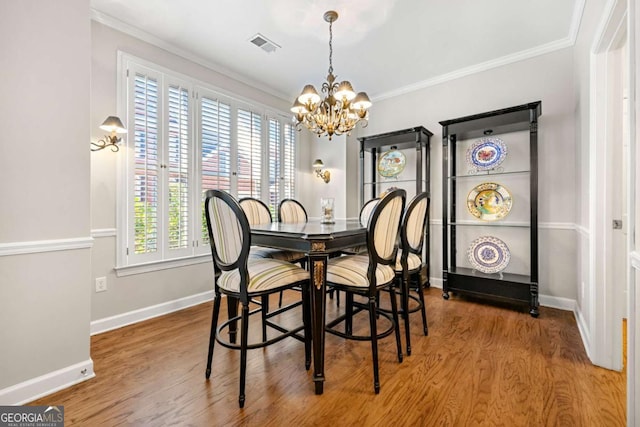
[44,385]
[114,322]
[583,328]
[557,302]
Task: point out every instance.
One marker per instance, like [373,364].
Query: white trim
[559,303]
[634,259]
[103,232]
[35,388]
[38,246]
[477,68]
[149,267]
[576,19]
[155,41]
[584,231]
[583,328]
[114,322]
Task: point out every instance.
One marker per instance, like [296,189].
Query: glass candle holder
[326,210]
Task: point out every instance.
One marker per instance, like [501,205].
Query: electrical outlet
[101,284]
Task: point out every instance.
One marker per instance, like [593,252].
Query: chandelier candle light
[340,110]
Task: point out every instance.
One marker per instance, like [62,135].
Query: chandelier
[340,110]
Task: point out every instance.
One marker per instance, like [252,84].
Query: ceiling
[384,47]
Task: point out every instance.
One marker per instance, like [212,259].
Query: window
[185,138]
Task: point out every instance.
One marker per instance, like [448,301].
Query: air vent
[264,43]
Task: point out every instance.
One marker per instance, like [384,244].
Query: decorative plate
[391,163]
[488,254]
[489,201]
[486,153]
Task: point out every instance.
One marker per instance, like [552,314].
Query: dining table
[319,241]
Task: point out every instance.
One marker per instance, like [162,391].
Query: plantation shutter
[146,165]
[215,151]
[289,162]
[178,167]
[249,163]
[275,161]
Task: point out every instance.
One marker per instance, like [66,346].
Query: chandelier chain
[330,47]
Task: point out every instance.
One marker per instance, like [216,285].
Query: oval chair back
[229,234]
[414,224]
[256,210]
[367,208]
[291,211]
[383,229]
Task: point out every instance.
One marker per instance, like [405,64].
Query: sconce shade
[317,164]
[113,124]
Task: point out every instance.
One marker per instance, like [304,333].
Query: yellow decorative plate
[489,201]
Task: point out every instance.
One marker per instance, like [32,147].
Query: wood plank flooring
[481,365]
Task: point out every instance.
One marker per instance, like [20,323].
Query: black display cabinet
[490,205]
[413,146]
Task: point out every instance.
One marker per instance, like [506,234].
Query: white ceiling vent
[264,43]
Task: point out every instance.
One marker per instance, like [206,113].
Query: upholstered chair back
[257,212]
[228,229]
[416,221]
[291,211]
[367,208]
[384,225]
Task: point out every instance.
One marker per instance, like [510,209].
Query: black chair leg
[212,335]
[348,321]
[396,326]
[374,343]
[404,294]
[423,307]
[232,311]
[264,311]
[244,332]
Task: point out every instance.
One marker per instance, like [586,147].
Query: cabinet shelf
[521,171]
[489,224]
[489,174]
[393,181]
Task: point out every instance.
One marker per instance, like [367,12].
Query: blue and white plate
[486,153]
[488,254]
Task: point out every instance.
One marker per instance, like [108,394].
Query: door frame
[606,300]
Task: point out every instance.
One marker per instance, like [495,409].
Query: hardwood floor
[480,365]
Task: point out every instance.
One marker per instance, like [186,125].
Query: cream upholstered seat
[242,278]
[366,275]
[409,261]
[291,211]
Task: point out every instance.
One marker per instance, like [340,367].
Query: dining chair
[239,276]
[366,275]
[409,261]
[365,214]
[291,211]
[258,213]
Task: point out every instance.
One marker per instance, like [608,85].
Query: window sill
[150,267]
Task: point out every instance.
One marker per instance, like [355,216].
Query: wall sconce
[317,166]
[114,125]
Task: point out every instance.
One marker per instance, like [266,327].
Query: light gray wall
[130,293]
[548,78]
[44,182]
